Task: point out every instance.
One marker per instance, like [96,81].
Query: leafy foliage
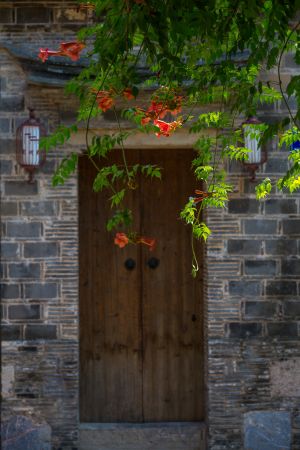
[185,53]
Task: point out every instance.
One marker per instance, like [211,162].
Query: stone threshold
[143,436]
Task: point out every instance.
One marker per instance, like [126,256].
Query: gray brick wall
[39,239]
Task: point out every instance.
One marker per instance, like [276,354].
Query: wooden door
[141,344]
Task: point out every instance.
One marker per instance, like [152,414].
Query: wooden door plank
[110,333]
[171,298]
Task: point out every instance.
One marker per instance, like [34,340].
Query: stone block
[12,104]
[281,287]
[10,332]
[23,312]
[243,206]
[23,229]
[34,332]
[260,267]
[244,330]
[267,430]
[4,123]
[6,14]
[291,227]
[5,167]
[41,291]
[245,288]
[260,226]
[281,247]
[7,146]
[244,247]
[9,291]
[9,250]
[276,165]
[260,310]
[33,14]
[290,62]
[285,378]
[292,309]
[40,250]
[280,206]
[9,209]
[21,433]
[24,270]
[20,188]
[291,267]
[41,208]
[7,375]
[282,329]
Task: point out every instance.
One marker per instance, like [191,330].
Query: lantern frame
[252,167]
[30,158]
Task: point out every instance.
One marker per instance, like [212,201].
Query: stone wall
[253,314]
[252,264]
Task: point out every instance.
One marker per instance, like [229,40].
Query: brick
[244,330]
[12,104]
[41,291]
[282,329]
[6,167]
[24,270]
[245,288]
[9,209]
[243,206]
[33,14]
[290,62]
[281,247]
[260,226]
[291,227]
[49,167]
[21,188]
[244,247]
[23,230]
[292,309]
[4,123]
[23,312]
[10,332]
[276,165]
[280,206]
[9,250]
[260,310]
[34,332]
[69,15]
[291,267]
[7,146]
[6,14]
[281,287]
[10,291]
[40,250]
[42,208]
[260,268]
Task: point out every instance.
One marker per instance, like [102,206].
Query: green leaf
[65,169]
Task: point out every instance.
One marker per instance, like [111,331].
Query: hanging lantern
[256,156]
[28,151]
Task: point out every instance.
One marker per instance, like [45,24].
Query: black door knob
[130,264]
[153,262]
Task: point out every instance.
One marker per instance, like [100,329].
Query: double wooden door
[141,344]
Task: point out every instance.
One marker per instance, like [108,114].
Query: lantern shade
[28,151]
[252,135]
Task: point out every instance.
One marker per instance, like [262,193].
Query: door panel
[141,330]
[172,316]
[110,331]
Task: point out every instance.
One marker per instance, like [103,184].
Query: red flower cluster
[121,239]
[70,49]
[166,128]
[158,110]
[105,99]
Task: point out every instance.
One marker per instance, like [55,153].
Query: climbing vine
[210,53]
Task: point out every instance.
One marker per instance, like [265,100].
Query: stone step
[145,436]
